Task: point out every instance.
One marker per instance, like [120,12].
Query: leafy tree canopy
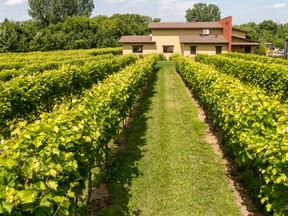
[202,12]
[76,32]
[267,31]
[48,12]
[82,32]
[269,25]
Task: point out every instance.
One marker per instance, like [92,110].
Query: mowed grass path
[167,168]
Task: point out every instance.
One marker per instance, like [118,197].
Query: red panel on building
[227,30]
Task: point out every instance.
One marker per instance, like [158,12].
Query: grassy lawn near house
[167,167]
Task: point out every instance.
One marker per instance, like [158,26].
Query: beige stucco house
[190,38]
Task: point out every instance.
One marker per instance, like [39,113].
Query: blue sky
[243,11]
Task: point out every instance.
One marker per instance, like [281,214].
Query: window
[193,50]
[168,49]
[218,49]
[247,49]
[137,49]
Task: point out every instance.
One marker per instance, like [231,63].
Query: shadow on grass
[124,169]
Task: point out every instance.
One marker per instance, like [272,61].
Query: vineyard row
[257,58]
[254,126]
[40,57]
[46,165]
[272,78]
[33,68]
[28,96]
[18,61]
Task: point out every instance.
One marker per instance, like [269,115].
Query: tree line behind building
[58,27]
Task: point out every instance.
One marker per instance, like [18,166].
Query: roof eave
[195,42]
[133,42]
[245,44]
[171,28]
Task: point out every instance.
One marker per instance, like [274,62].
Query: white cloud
[280,5]
[114,1]
[129,6]
[173,10]
[15,2]
[137,3]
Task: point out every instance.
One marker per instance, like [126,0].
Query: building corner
[227,30]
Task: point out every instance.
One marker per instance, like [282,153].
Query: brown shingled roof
[184,25]
[136,39]
[202,39]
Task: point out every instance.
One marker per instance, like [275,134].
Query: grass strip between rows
[168,168]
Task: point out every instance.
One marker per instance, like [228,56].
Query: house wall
[239,33]
[147,48]
[127,49]
[235,39]
[167,41]
[241,49]
[238,49]
[204,48]
[170,37]
[183,49]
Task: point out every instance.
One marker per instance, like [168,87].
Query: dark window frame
[217,49]
[247,49]
[137,48]
[166,49]
[193,52]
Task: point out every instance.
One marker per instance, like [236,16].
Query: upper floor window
[168,49]
[137,49]
[193,50]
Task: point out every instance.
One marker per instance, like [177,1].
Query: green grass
[168,168]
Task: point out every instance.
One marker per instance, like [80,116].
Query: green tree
[282,31]
[47,12]
[156,19]
[75,32]
[131,24]
[266,32]
[202,12]
[269,25]
[261,50]
[9,36]
[17,36]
